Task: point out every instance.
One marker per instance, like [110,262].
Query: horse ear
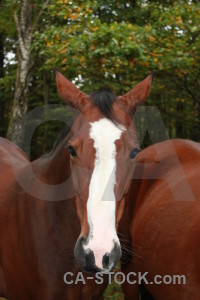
[138,94]
[69,92]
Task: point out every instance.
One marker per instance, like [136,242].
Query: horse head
[102,144]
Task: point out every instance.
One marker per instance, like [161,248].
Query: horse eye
[71,150]
[133,153]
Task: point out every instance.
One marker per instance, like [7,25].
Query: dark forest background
[97,43]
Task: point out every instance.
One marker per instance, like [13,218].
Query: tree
[25,29]
[120,42]
[116,44]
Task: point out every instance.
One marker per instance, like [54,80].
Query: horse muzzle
[87,258]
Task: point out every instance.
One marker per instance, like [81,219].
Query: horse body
[7,179]
[37,236]
[164,230]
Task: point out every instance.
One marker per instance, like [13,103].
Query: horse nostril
[105,261]
[89,257]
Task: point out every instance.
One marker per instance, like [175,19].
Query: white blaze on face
[101,201]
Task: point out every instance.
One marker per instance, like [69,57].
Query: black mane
[104,99]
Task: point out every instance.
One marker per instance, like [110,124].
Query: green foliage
[113,292]
[119,43]
[116,44]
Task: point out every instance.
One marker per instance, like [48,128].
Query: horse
[161,223]
[60,213]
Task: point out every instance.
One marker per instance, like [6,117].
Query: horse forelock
[104,99]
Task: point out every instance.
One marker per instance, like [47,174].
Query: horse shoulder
[10,153]
[165,222]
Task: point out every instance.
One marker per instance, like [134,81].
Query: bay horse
[40,230]
[162,222]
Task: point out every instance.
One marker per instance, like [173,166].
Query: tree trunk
[25,28]
[20,105]
[46,99]
[1,55]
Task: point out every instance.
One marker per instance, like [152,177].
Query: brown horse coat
[37,237]
[162,220]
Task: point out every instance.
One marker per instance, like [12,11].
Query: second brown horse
[163,209]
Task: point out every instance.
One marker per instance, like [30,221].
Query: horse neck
[59,217]
[135,195]
[49,177]
[53,168]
